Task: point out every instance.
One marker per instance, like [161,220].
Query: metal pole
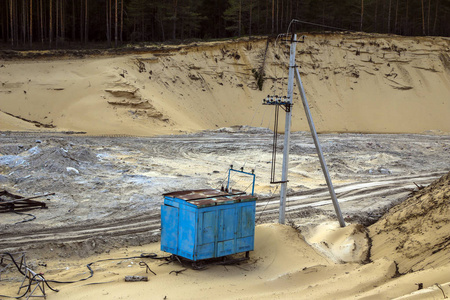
[287,132]
[319,149]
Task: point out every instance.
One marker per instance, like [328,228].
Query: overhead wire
[276,87]
[251,183]
[283,63]
[316,24]
[279,36]
[223,181]
[263,117]
[265,206]
[254,114]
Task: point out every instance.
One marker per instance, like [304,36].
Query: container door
[186,234]
[227,224]
[207,234]
[226,232]
[169,229]
[246,223]
[246,227]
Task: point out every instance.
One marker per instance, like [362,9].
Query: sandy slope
[325,262]
[283,266]
[8,122]
[416,233]
[354,83]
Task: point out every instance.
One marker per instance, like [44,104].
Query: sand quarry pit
[110,134]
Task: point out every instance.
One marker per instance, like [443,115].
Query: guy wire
[268,200]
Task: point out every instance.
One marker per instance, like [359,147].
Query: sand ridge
[415,233]
[354,83]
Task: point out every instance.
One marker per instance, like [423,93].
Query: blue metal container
[201,224]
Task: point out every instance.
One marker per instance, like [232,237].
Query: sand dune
[354,83]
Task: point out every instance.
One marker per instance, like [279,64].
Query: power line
[316,24]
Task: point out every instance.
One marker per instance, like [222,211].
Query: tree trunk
[31,23]
[63,26]
[73,20]
[428,18]
[50,32]
[175,9]
[250,19]
[162,29]
[86,28]
[11,26]
[143,25]
[291,11]
[277,21]
[282,12]
[57,22]
[396,17]
[435,17]
[273,16]
[389,17]
[258,17]
[16,22]
[240,18]
[41,21]
[108,36]
[267,16]
[121,22]
[376,15]
[23,23]
[116,31]
[109,22]
[81,22]
[423,19]
[362,15]
[406,17]
[6,24]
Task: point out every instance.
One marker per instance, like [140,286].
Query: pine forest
[43,24]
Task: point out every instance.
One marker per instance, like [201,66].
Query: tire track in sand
[267,207]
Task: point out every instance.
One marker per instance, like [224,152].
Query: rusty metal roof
[211,197]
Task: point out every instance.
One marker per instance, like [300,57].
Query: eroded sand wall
[354,83]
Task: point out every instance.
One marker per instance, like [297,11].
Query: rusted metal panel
[210,197]
[190,195]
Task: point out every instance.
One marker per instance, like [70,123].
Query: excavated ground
[109,189]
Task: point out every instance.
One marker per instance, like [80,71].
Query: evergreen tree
[233,17]
[27,23]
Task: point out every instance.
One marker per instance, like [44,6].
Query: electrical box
[202,224]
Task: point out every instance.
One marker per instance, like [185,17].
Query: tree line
[73,23]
